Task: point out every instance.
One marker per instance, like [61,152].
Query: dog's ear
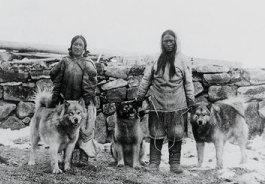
[82,103]
[66,104]
[60,110]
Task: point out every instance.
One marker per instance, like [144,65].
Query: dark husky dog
[223,120]
[127,145]
[58,127]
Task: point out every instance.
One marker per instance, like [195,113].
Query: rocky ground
[14,152]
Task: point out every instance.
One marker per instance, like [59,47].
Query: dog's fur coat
[58,127]
[127,145]
[218,123]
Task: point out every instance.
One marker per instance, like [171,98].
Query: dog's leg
[135,155]
[219,148]
[34,137]
[142,153]
[200,152]
[68,155]
[120,155]
[242,139]
[54,158]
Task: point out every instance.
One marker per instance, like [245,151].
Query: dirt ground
[103,170]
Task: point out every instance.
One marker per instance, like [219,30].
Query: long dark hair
[85,45]
[167,57]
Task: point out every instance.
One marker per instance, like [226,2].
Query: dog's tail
[43,98]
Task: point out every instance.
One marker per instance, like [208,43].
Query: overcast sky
[215,29]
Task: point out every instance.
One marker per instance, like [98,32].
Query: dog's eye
[71,113]
[78,113]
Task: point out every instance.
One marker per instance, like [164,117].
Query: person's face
[78,48]
[168,43]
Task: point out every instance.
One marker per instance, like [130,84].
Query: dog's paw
[137,167]
[57,171]
[120,165]
[67,168]
[143,163]
[31,162]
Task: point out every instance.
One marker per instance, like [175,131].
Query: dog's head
[73,111]
[200,114]
[128,110]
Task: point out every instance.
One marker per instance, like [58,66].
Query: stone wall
[22,73]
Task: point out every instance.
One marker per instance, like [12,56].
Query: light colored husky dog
[58,127]
[223,120]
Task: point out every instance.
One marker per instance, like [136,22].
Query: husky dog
[218,123]
[58,127]
[127,145]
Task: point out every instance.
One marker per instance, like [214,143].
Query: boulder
[18,93]
[116,95]
[5,56]
[26,120]
[6,109]
[137,70]
[13,123]
[211,69]
[13,76]
[252,91]
[118,83]
[25,109]
[120,72]
[221,92]
[111,122]
[256,76]
[40,74]
[1,92]
[220,78]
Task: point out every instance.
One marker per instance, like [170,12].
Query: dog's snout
[75,120]
[200,122]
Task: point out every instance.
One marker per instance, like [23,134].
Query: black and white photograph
[132,92]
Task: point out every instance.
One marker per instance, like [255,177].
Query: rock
[221,92]
[6,109]
[198,88]
[98,102]
[254,121]
[137,70]
[26,120]
[13,123]
[25,109]
[29,84]
[100,129]
[5,56]
[132,93]
[239,77]
[252,91]
[211,69]
[134,81]
[118,83]
[116,95]
[11,75]
[220,78]
[44,84]
[109,109]
[256,76]
[40,74]
[120,72]
[18,93]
